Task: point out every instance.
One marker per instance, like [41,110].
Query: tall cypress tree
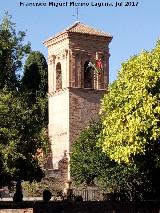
[35,74]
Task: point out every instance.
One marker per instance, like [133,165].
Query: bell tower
[78,74]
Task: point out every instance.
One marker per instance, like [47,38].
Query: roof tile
[78,27]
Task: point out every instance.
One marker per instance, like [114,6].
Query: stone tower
[74,88]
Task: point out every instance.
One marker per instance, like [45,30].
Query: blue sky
[133,28]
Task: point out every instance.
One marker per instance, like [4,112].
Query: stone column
[69,168]
[53,72]
[77,73]
[73,69]
[67,67]
[50,79]
[70,73]
[106,70]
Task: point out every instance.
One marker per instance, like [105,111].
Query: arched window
[58,76]
[88,75]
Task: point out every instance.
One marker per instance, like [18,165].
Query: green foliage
[20,137]
[35,74]
[34,85]
[87,159]
[130,111]
[23,136]
[130,126]
[90,164]
[128,182]
[128,141]
[12,51]
[35,189]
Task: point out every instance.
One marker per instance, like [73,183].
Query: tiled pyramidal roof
[83,29]
[80,28]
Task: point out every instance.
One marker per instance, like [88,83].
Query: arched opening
[58,76]
[88,75]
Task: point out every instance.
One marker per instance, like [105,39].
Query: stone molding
[57,92]
[70,89]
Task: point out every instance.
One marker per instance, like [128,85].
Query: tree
[34,85]
[130,110]
[86,157]
[12,51]
[35,74]
[130,133]
[130,117]
[23,134]
[20,138]
[90,164]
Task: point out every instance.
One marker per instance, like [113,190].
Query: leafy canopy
[35,73]
[130,111]
[12,51]
[34,84]
[20,138]
[123,155]
[86,157]
[90,164]
[23,135]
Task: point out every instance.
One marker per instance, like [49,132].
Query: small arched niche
[88,75]
[58,76]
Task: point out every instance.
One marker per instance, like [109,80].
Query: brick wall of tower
[70,110]
[84,106]
[59,125]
